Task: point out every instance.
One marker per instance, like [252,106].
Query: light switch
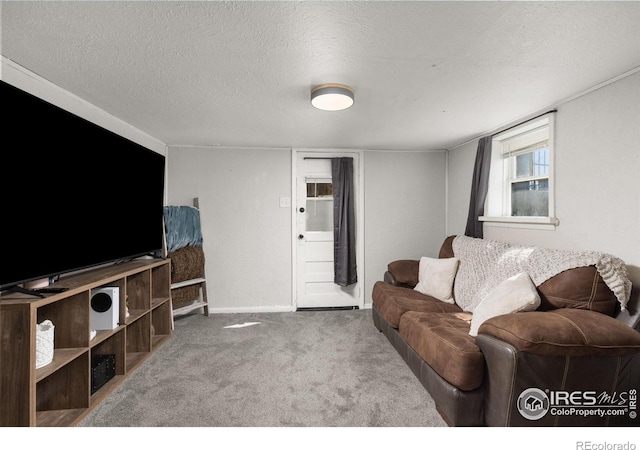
[285,202]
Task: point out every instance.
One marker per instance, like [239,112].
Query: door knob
[301,209]
[301,236]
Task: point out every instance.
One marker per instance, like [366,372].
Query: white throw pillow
[435,277]
[514,294]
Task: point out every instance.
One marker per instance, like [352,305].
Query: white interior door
[315,287]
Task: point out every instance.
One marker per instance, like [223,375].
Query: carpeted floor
[297,369]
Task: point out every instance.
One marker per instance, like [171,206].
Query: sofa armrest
[403,273]
[564,332]
[565,350]
[511,374]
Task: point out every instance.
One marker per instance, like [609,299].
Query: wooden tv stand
[59,394]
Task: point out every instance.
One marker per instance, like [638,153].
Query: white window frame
[506,145]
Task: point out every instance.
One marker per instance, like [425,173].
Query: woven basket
[44,343]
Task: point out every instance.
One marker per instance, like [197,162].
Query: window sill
[536,223]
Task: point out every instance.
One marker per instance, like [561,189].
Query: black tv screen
[73,194]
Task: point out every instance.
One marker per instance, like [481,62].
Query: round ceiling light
[332,97]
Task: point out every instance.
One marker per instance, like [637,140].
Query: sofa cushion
[515,294]
[435,277]
[564,332]
[580,288]
[442,340]
[393,301]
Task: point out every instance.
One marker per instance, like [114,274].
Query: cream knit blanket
[484,264]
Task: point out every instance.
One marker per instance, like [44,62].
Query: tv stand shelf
[59,394]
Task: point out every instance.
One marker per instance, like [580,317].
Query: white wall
[247,236]
[460,175]
[597,157]
[404,209]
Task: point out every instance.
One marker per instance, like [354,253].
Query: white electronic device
[105,308]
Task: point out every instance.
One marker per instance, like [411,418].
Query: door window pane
[319,208]
[318,190]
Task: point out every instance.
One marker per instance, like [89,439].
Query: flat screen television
[73,194]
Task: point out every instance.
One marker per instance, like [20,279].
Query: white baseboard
[251,309]
[260,309]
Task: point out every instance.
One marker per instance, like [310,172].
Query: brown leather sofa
[578,352]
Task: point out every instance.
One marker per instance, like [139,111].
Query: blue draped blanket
[182,225]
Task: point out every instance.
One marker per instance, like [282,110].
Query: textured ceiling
[427,75]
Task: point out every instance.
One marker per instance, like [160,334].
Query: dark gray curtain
[479,187]
[344,226]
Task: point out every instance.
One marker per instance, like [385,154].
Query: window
[521,176]
[319,212]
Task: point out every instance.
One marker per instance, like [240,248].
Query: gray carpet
[297,369]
